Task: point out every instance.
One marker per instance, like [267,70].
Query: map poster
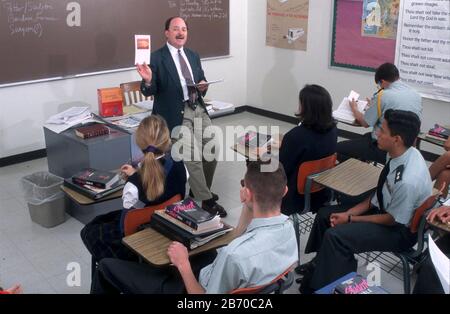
[380,18]
[287,24]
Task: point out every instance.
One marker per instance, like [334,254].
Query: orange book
[110,102]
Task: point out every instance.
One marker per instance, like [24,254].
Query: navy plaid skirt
[103,238]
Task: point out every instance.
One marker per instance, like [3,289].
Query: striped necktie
[192,91]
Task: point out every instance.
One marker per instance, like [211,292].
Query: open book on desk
[92,192]
[344,112]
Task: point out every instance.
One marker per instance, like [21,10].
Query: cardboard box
[110,102]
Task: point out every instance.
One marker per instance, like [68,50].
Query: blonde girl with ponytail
[156,179]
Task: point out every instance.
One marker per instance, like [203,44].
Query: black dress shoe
[215,197]
[305,268]
[214,208]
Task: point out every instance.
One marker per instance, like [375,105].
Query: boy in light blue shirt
[392,94]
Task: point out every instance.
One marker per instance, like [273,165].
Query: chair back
[136,217]
[420,211]
[131,92]
[308,168]
[277,286]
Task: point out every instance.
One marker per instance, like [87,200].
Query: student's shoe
[215,197]
[214,208]
[305,283]
[307,267]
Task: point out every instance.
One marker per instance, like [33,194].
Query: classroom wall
[275,76]
[24,108]
[256,75]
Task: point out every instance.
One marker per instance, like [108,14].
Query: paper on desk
[59,128]
[69,118]
[441,264]
[142,44]
[206,83]
[219,105]
[70,115]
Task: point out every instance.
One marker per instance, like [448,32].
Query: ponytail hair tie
[152,149]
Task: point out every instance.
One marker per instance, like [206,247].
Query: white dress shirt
[174,53]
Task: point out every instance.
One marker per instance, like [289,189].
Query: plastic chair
[139,216]
[277,286]
[131,92]
[307,171]
[416,255]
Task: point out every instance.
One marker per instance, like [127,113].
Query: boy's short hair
[387,72]
[404,123]
[267,187]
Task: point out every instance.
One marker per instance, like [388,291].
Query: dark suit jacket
[166,86]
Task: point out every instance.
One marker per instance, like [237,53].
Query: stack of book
[189,224]
[438,133]
[94,183]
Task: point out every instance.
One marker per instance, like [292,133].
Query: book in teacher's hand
[98,178]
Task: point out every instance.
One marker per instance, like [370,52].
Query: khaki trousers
[189,143]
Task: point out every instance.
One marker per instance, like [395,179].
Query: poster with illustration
[380,18]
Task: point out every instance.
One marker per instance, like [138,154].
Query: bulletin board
[350,49]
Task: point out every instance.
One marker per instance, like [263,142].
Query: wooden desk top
[439,225]
[84,200]
[152,245]
[352,177]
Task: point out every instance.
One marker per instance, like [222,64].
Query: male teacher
[173,72]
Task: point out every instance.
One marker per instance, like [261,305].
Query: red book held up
[92,130]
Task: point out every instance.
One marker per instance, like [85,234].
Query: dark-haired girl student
[314,138]
[155,180]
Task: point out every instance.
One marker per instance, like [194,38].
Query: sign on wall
[423,47]
[287,24]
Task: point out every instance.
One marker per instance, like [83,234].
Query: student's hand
[353,104]
[202,87]
[145,72]
[338,219]
[441,213]
[369,102]
[178,254]
[128,170]
[16,289]
[447,146]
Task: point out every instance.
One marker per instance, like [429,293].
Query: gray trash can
[45,199]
